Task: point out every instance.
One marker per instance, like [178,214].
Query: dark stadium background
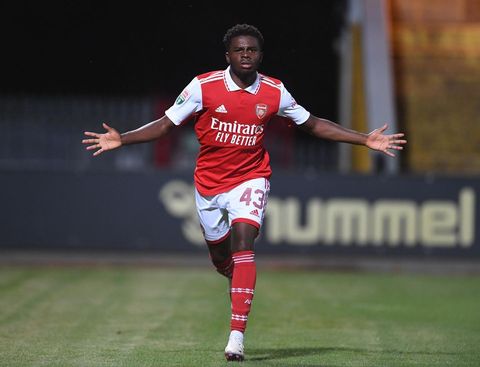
[135,48]
[64,63]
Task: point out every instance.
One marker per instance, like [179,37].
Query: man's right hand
[103,142]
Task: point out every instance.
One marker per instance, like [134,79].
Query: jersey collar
[232,87]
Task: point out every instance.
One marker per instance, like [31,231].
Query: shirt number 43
[257,198]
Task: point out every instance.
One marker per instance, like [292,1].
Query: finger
[396,147]
[399,135]
[396,141]
[95,146]
[389,153]
[106,127]
[90,141]
[89,133]
[97,152]
[383,128]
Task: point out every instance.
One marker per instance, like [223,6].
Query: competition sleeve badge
[182,97]
[261,110]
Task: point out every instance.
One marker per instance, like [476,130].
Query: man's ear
[227,57]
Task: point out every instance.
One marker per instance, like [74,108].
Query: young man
[231,109]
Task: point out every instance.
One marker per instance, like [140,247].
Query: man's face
[244,55]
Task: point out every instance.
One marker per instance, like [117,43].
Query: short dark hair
[242,30]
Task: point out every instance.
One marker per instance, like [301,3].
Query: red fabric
[243,286]
[246,220]
[231,129]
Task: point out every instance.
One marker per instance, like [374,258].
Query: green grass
[127,316]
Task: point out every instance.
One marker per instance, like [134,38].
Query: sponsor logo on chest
[236,133]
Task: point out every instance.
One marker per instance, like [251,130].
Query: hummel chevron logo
[221,109]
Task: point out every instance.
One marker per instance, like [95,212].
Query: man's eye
[249,50]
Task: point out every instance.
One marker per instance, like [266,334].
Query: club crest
[261,110]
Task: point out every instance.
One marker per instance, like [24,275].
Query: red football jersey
[230,125]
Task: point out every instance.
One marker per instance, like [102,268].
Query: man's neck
[244,81]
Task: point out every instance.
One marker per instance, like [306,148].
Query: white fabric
[192,103]
[216,213]
[290,109]
[179,112]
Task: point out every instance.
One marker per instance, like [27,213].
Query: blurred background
[69,66]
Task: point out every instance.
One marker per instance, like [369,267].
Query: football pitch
[148,316]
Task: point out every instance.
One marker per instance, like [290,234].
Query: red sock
[243,286]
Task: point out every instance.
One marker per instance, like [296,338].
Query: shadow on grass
[265,354]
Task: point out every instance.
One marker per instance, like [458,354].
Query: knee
[218,258]
[218,254]
[223,263]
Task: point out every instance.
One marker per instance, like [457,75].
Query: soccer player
[231,109]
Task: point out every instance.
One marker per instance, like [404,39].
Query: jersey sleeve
[291,109]
[188,102]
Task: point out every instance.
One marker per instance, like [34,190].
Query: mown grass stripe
[37,287]
[127,316]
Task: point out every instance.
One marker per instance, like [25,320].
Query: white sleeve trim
[187,103]
[290,109]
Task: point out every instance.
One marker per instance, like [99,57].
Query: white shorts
[245,203]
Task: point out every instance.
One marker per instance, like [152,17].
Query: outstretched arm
[376,140]
[112,139]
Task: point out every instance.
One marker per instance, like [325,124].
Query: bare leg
[242,237]
[221,256]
